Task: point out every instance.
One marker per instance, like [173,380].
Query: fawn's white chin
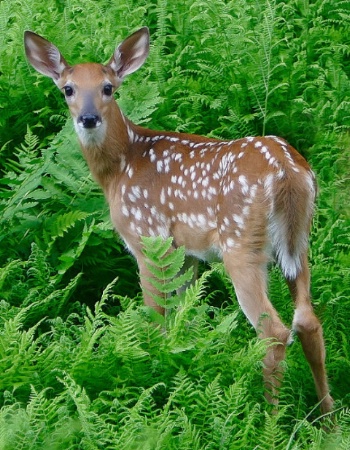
[91,136]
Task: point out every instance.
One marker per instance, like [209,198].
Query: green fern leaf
[164,264]
[60,224]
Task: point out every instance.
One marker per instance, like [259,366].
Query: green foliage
[164,264]
[82,364]
[51,200]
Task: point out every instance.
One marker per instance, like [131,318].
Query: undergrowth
[82,363]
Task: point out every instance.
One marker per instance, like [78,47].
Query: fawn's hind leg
[250,281]
[307,326]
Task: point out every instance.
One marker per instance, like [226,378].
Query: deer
[246,201]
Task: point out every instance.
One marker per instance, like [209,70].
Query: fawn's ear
[130,54]
[44,56]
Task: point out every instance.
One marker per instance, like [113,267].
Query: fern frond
[7,270]
[272,435]
[164,264]
[210,402]
[92,427]
[187,322]
[38,270]
[140,112]
[128,345]
[18,349]
[182,392]
[58,225]
[70,256]
[264,86]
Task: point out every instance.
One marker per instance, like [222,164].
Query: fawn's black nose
[89,120]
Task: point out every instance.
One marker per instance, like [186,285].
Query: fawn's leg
[308,328]
[249,277]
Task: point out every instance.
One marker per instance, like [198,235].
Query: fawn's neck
[106,148]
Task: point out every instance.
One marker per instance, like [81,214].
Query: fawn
[243,201]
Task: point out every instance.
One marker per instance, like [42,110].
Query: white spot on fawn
[244,184]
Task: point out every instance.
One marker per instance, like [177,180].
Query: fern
[210,403]
[92,428]
[6,272]
[164,266]
[139,112]
[18,351]
[272,436]
[38,270]
[187,323]
[183,393]
[62,223]
[267,64]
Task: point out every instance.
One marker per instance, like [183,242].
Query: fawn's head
[88,87]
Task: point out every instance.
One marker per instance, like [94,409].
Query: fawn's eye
[108,90]
[68,91]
